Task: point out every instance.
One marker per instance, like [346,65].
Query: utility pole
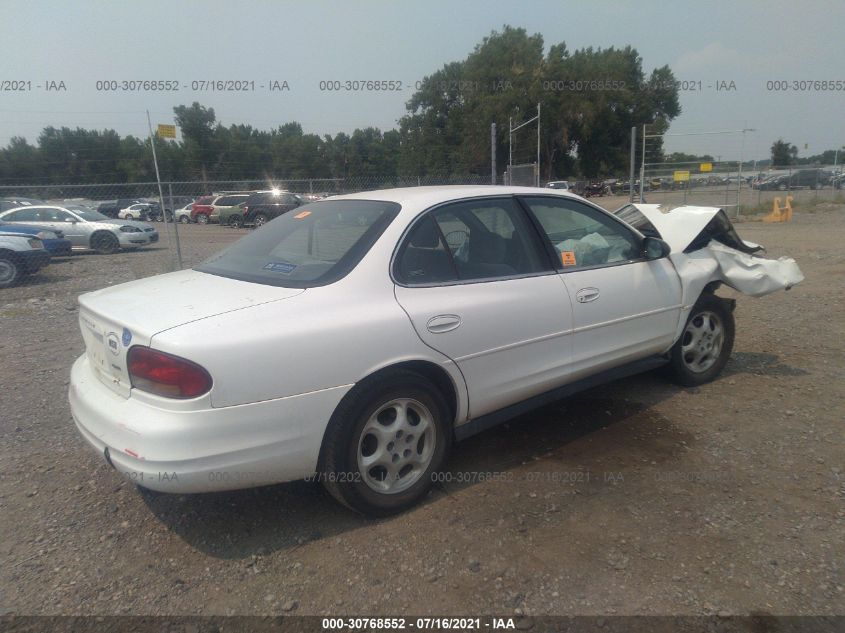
[538,144]
[642,168]
[492,153]
[158,180]
[633,160]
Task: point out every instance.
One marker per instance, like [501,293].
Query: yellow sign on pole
[166,131]
[705,167]
[681,176]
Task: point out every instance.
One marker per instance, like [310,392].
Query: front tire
[260,220]
[185,219]
[202,218]
[105,243]
[386,440]
[705,345]
[10,272]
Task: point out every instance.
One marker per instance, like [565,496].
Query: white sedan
[354,339]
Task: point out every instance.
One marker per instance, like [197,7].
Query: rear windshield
[314,245]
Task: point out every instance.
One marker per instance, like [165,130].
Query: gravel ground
[638,497]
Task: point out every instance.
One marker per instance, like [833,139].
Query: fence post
[175,226]
[633,160]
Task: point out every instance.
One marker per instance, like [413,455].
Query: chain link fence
[185,244]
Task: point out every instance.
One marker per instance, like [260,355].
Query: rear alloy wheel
[202,218]
[105,243]
[9,272]
[129,216]
[705,344]
[386,441]
[185,219]
[260,220]
[236,221]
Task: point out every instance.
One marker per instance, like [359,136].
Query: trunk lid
[114,319]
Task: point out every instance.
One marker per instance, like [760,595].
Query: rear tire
[387,439]
[705,345]
[236,221]
[185,219]
[202,218]
[260,220]
[105,243]
[10,272]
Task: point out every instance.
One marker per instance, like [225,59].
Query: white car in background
[183,215]
[85,229]
[355,338]
[137,211]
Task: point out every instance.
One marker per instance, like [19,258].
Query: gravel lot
[638,497]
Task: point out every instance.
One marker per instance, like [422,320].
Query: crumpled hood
[705,248]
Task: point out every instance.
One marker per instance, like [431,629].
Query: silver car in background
[87,230]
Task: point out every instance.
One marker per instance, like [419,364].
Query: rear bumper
[186,451]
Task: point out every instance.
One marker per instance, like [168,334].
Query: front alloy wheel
[202,218]
[702,341]
[706,342]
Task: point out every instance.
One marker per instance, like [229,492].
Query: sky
[740,46]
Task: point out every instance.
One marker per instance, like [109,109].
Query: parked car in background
[111,208]
[20,255]
[13,202]
[562,185]
[579,296]
[54,241]
[799,179]
[183,215]
[224,202]
[263,206]
[202,206]
[137,211]
[232,216]
[85,229]
[207,208]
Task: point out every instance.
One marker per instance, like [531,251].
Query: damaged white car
[355,339]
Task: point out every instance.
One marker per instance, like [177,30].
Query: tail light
[245,209]
[166,375]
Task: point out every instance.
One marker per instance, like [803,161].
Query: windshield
[633,216]
[312,245]
[92,216]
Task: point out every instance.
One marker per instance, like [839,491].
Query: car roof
[424,197]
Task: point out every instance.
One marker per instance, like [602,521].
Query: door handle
[585,295]
[443,323]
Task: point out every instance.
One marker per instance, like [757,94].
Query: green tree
[590,99]
[783,153]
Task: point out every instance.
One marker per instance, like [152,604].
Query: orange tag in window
[303,214]
[567,258]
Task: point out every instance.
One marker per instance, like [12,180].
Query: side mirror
[655,248]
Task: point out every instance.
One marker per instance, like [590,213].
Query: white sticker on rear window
[280,267]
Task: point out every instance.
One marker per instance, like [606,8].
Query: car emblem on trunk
[127,337]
